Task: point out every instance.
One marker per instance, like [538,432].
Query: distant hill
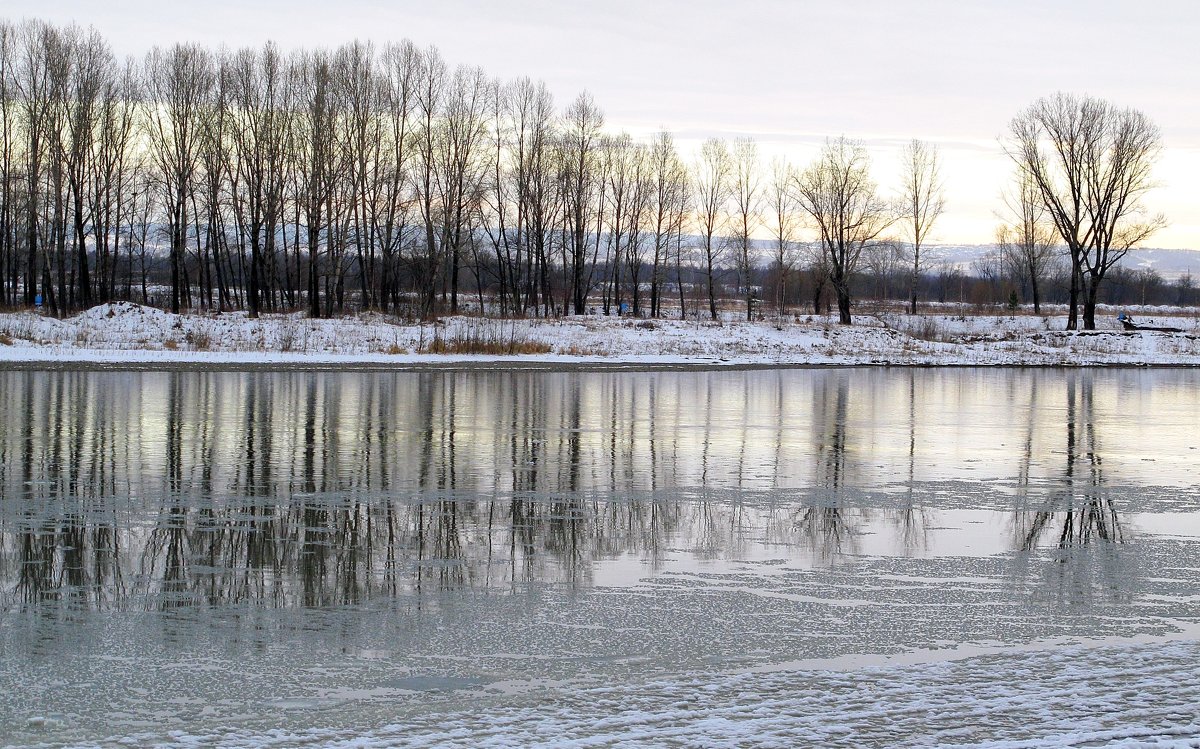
[1170,264]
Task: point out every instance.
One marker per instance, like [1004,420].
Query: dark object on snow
[1129,324]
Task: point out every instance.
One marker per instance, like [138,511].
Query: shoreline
[129,337]
[79,361]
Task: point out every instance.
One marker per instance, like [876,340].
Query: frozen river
[884,557]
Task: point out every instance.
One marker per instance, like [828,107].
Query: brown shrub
[482,340]
[199,340]
[584,351]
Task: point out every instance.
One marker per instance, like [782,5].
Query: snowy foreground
[1110,696]
[125,333]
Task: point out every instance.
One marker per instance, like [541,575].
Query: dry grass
[927,329]
[199,340]
[291,337]
[395,350]
[21,328]
[171,344]
[5,339]
[583,351]
[482,339]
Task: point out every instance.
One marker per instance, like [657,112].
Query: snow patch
[126,333]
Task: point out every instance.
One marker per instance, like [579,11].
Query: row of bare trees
[361,177]
[381,178]
[370,178]
[1083,167]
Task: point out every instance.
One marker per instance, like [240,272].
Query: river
[439,558]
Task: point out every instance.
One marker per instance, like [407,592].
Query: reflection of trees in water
[64,543]
[910,519]
[830,530]
[282,490]
[324,489]
[1082,524]
[832,523]
[323,554]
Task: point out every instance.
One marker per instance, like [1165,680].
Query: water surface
[199,551]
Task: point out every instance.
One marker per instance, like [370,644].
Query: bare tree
[668,207]
[712,188]
[582,183]
[1026,238]
[261,136]
[747,199]
[59,53]
[627,194]
[1091,162]
[113,167]
[884,260]
[33,87]
[362,140]
[90,72]
[837,193]
[392,214]
[522,200]
[429,99]
[9,262]
[179,81]
[784,222]
[316,103]
[496,218]
[212,210]
[460,167]
[923,201]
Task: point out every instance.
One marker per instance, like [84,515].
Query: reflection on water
[188,550]
[166,490]
[1082,523]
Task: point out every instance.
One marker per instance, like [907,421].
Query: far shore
[509,365]
[124,336]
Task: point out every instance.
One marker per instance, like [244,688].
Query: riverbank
[124,334]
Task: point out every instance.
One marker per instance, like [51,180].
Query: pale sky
[790,74]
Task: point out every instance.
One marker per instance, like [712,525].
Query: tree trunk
[1073,303]
[843,302]
[1089,304]
[712,296]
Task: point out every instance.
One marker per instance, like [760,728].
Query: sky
[789,74]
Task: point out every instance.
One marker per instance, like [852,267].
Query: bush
[927,330]
[482,339]
[200,339]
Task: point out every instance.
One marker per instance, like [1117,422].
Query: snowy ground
[129,333]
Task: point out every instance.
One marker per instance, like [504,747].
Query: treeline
[999,279]
[378,178]
[362,177]
[381,178]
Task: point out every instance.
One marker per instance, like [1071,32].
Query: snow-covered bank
[124,333]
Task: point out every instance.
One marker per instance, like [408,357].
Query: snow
[125,333]
[1139,695]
